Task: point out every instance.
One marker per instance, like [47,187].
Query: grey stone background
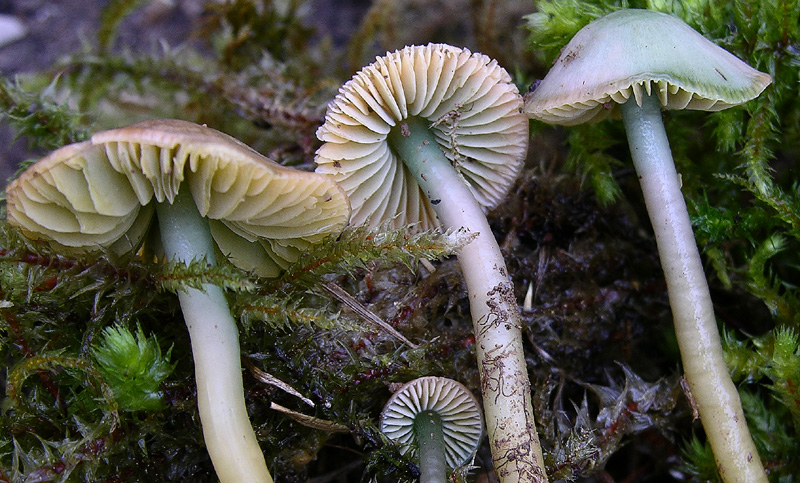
[54,28]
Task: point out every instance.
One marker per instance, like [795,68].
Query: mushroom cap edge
[631,51]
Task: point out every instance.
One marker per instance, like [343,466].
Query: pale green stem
[713,390]
[430,444]
[496,320]
[230,439]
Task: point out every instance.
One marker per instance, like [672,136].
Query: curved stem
[430,443]
[505,386]
[695,326]
[230,439]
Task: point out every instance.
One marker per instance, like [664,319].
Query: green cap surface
[632,51]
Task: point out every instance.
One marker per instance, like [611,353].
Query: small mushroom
[434,135]
[637,62]
[438,421]
[206,188]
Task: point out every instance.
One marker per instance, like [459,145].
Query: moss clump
[598,332]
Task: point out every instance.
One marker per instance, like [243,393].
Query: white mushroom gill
[210,192]
[435,420]
[455,405]
[434,135]
[99,194]
[469,104]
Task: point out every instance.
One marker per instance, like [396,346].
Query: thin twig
[268,378]
[364,313]
[310,421]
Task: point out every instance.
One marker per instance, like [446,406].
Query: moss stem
[693,313]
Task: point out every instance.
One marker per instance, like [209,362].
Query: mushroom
[206,188]
[438,421]
[434,135]
[661,62]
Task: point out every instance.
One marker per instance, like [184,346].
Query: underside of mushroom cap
[457,407]
[98,194]
[632,51]
[468,101]
[73,198]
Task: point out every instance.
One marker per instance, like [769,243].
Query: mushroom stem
[693,313]
[496,319]
[430,441]
[229,437]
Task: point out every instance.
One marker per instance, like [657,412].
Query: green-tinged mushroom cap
[631,52]
[467,100]
[637,63]
[209,192]
[456,407]
[99,194]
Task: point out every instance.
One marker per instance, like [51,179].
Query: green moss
[134,368]
[573,231]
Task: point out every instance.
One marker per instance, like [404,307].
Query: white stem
[497,324]
[693,313]
[230,439]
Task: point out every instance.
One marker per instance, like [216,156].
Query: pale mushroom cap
[97,195]
[628,51]
[457,407]
[470,103]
